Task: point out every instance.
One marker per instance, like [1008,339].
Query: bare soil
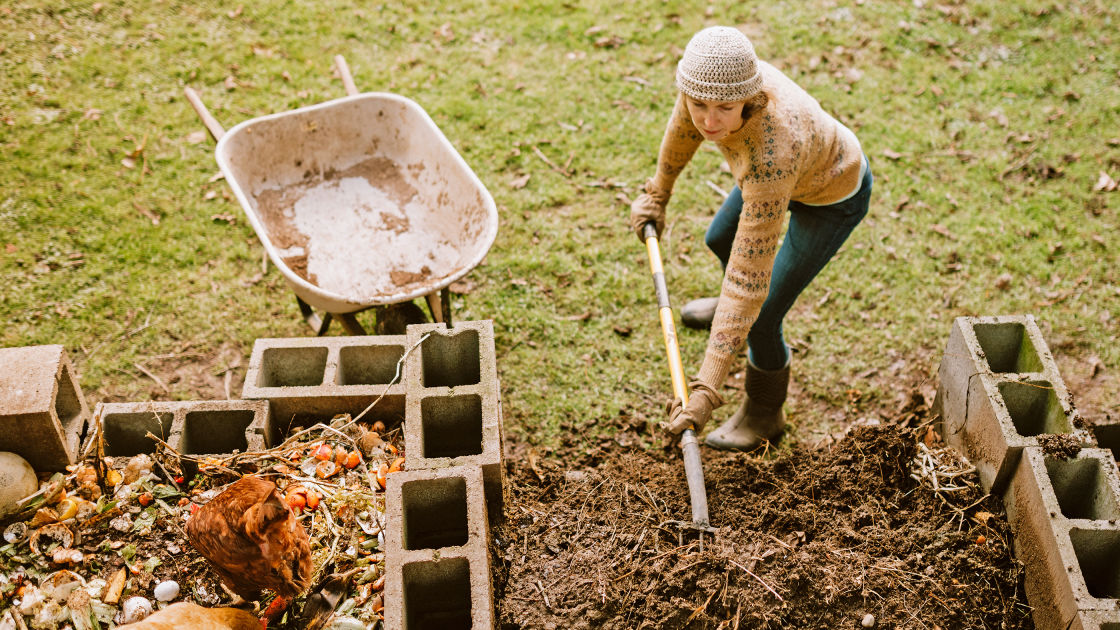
[813,538]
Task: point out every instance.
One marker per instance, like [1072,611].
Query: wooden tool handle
[212,124]
[344,72]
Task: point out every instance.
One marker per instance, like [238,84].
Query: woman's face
[715,119]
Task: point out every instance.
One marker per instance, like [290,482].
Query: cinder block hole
[434,513]
[125,432]
[1108,436]
[1098,554]
[1034,408]
[450,360]
[215,431]
[437,595]
[451,426]
[1008,347]
[368,365]
[292,367]
[67,404]
[1082,489]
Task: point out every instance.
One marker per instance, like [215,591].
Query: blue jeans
[815,234]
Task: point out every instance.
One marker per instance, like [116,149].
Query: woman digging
[785,152]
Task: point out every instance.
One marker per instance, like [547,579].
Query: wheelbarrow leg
[439,303]
[351,324]
[318,324]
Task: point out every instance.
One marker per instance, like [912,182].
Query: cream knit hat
[719,64]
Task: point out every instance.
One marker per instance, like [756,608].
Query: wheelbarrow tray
[359,201]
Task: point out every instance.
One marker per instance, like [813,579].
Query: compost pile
[853,535]
[106,542]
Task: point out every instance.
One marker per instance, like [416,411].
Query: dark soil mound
[812,539]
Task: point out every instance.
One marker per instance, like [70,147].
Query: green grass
[987,119]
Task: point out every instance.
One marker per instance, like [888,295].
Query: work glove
[649,206]
[701,402]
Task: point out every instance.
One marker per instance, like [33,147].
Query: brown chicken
[195,617]
[254,541]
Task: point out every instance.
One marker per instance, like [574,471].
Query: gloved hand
[649,206]
[701,402]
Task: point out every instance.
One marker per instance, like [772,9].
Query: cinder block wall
[212,427]
[453,414]
[1065,515]
[437,562]
[999,390]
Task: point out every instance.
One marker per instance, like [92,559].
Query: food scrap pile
[105,543]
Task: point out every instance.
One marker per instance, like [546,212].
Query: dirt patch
[298,264]
[811,539]
[405,278]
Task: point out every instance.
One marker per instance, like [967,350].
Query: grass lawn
[993,130]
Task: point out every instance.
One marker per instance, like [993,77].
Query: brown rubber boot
[760,418]
[699,313]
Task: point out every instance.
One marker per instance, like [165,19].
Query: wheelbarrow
[361,202]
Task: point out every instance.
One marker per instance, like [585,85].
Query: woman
[785,152]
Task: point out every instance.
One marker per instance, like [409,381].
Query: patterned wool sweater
[791,150]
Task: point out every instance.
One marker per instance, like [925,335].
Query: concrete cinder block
[1108,436]
[1097,620]
[43,414]
[453,414]
[309,380]
[215,427]
[1065,515]
[437,562]
[998,390]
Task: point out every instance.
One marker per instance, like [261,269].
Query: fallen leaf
[582,317]
[230,83]
[11,247]
[196,137]
[228,218]
[92,114]
[623,331]
[236,12]
[210,194]
[462,287]
[1095,366]
[128,162]
[983,517]
[614,41]
[942,230]
[520,182]
[1003,281]
[215,177]
[284,75]
[1105,183]
[891,155]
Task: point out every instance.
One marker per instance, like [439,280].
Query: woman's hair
[755,104]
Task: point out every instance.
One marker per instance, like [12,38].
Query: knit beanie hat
[719,64]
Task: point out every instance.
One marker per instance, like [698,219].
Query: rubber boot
[699,313]
[760,418]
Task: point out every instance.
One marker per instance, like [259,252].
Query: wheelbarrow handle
[212,124]
[344,72]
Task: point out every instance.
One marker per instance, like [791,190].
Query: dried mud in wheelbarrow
[811,539]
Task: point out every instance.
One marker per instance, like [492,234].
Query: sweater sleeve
[677,148]
[746,282]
